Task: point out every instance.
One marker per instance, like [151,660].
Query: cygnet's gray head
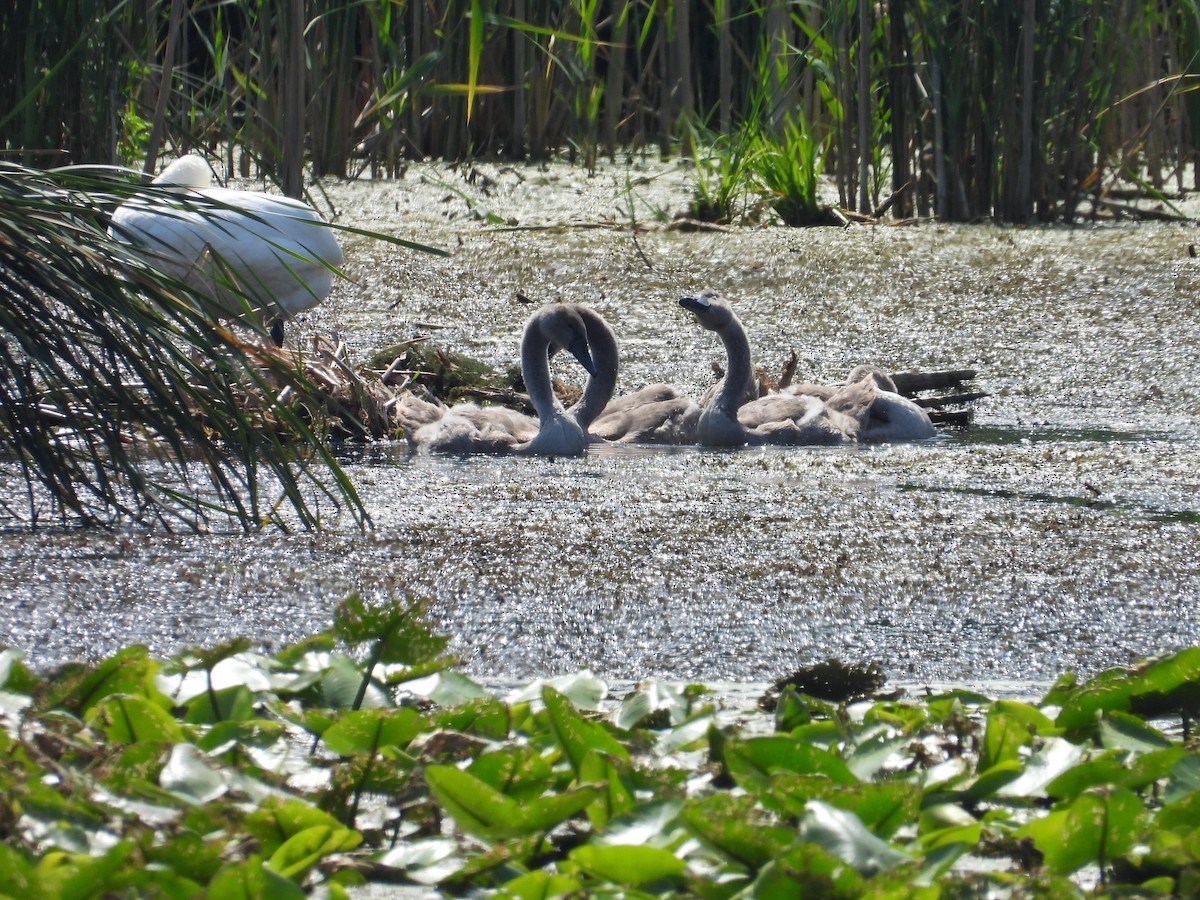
[709,309]
[882,380]
[564,328]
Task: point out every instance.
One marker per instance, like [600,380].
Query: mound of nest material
[366,402]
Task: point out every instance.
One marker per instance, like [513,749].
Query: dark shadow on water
[1002,435]
[1141,511]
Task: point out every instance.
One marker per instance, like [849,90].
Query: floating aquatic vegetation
[360,756]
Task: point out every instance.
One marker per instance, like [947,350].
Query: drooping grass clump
[122,398]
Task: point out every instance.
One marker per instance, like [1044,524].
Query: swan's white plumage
[275,250]
[470,428]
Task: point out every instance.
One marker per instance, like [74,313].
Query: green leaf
[1182,816]
[369,730]
[129,719]
[906,718]
[808,870]
[224,736]
[480,810]
[869,756]
[883,808]
[1185,778]
[541,885]
[576,735]
[941,816]
[1055,757]
[454,689]
[397,631]
[689,735]
[86,877]
[341,682]
[425,861]
[614,798]
[1123,731]
[516,771]
[1004,738]
[843,835]
[305,849]
[130,671]
[791,710]
[234,704]
[189,776]
[633,866]
[15,676]
[18,876]
[206,659]
[669,704]
[1169,683]
[752,762]
[253,879]
[986,784]
[189,855]
[276,821]
[655,824]
[1115,767]
[738,828]
[583,690]
[1093,828]
[486,717]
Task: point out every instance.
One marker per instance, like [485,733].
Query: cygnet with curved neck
[469,428]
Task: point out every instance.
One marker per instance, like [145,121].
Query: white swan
[469,428]
[655,414]
[276,251]
[804,414]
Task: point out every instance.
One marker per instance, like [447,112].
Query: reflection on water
[1057,533]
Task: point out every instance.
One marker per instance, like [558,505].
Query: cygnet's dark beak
[579,350]
[695,304]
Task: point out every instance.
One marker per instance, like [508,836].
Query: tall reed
[963,109]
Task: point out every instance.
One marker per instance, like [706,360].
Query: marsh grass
[970,108]
[789,170]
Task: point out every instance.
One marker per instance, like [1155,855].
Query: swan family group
[732,414]
[263,245]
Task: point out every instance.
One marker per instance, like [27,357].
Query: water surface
[1059,532]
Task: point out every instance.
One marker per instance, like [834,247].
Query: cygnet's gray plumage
[655,414]
[869,396]
[470,428]
[729,420]
[866,409]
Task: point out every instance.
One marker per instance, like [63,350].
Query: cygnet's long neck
[535,370]
[739,371]
[600,387]
[718,425]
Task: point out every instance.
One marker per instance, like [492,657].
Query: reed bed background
[962,109]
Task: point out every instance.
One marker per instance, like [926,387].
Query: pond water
[1059,532]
